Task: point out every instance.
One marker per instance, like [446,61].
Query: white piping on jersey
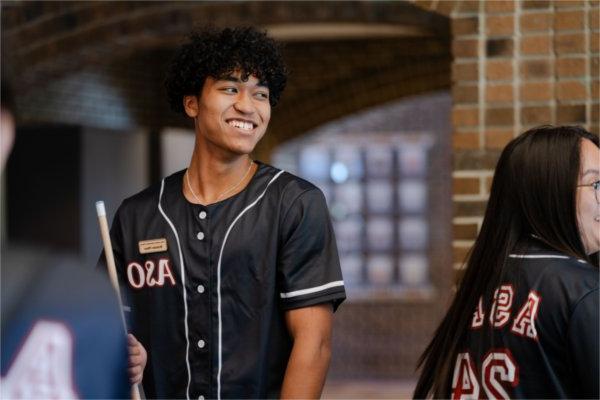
[537,256]
[185,308]
[545,256]
[311,290]
[219,279]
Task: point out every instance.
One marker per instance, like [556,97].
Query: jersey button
[200,235]
[200,289]
[202,215]
[201,343]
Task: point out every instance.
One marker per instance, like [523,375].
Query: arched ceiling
[343,56]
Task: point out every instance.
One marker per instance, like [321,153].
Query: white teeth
[247,126]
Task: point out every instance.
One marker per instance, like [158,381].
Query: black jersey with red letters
[61,335]
[544,332]
[208,285]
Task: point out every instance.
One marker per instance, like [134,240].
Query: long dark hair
[533,192]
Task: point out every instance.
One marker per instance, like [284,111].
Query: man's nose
[244,103]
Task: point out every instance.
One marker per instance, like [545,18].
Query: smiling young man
[231,265]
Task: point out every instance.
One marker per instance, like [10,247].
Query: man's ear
[190,105]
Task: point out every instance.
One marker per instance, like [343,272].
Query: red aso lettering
[524,323]
[501,307]
[478,315]
[464,380]
[43,367]
[150,274]
[499,372]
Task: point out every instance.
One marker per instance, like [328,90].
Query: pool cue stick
[112,273]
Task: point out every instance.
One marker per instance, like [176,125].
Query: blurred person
[524,322]
[231,265]
[61,335]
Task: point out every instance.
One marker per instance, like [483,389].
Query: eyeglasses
[596,187]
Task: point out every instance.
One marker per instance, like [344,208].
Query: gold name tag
[152,246]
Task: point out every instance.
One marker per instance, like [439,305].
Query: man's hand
[310,327]
[137,359]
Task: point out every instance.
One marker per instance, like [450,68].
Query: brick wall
[516,64]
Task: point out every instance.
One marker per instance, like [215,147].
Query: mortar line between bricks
[483,187]
[463,243]
[588,68]
[466,220]
[481,47]
[516,70]
[552,58]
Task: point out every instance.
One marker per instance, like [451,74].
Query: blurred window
[376,186]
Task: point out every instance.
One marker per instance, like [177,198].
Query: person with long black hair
[524,321]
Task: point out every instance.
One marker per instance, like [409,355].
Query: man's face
[230,115]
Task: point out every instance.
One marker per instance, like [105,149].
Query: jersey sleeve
[308,268]
[582,344]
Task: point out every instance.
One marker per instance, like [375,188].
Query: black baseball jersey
[61,334]
[208,285]
[539,337]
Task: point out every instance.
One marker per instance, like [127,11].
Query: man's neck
[211,178]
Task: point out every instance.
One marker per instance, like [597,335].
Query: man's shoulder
[288,184]
[149,197]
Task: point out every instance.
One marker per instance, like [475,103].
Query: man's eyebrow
[231,78]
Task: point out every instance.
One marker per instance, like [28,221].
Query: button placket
[201,232]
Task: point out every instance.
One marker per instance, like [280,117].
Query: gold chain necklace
[187,178]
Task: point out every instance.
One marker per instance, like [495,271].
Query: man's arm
[310,328]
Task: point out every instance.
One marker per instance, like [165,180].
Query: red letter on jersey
[478,315]
[150,281]
[43,367]
[500,312]
[135,275]
[498,367]
[164,272]
[464,381]
[524,324]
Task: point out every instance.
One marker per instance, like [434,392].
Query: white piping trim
[544,256]
[187,339]
[311,290]
[219,279]
[537,256]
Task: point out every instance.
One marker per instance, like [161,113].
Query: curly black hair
[217,53]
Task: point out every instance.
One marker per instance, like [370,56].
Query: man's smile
[242,124]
